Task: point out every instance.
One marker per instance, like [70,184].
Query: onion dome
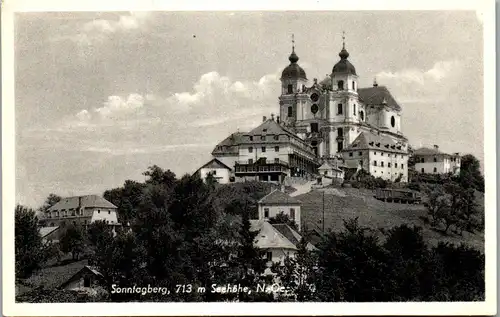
[344,66]
[293,71]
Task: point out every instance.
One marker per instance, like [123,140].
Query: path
[302,189]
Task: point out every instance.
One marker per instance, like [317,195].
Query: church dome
[344,66]
[293,71]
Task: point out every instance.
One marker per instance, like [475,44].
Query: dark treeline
[183,231]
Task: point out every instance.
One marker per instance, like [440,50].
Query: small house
[278,202]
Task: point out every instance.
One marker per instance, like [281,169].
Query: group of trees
[183,231]
[359,265]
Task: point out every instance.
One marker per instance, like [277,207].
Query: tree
[156,175]
[73,241]
[298,274]
[50,201]
[470,173]
[29,252]
[283,218]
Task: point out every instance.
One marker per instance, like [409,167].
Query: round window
[315,97]
[393,121]
[314,108]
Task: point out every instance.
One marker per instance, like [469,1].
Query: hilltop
[346,203]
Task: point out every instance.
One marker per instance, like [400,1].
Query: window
[263,149]
[276,160]
[354,109]
[276,149]
[340,84]
[251,138]
[98,211]
[340,132]
[382,164]
[360,153]
[396,165]
[109,211]
[374,153]
[381,153]
[388,164]
[292,213]
[250,161]
[339,108]
[340,146]
[325,173]
[86,281]
[269,256]
[314,127]
[393,121]
[362,115]
[435,160]
[435,169]
[422,160]
[266,212]
[350,153]
[374,163]
[361,162]
[402,166]
[290,111]
[290,89]
[276,137]
[423,170]
[353,85]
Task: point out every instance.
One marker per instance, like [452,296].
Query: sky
[99,97]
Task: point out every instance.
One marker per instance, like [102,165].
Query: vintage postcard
[288,158]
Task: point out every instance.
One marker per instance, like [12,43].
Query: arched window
[353,85]
[393,121]
[435,160]
[354,110]
[340,84]
[339,108]
[362,115]
[290,89]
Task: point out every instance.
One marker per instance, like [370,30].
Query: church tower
[345,111]
[293,84]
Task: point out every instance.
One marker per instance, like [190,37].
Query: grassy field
[346,203]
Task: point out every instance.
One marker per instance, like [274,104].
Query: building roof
[277,197]
[292,235]
[327,166]
[344,66]
[271,127]
[374,141]
[229,145]
[293,71]
[269,237]
[45,231]
[214,163]
[429,151]
[86,268]
[86,201]
[378,95]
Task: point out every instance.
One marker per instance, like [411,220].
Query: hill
[346,203]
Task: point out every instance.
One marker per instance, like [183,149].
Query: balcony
[261,166]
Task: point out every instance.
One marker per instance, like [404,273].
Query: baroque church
[332,121]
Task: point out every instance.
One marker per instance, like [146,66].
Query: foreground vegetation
[185,231]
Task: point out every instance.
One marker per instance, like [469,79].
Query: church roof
[293,71]
[373,141]
[229,145]
[85,201]
[344,66]
[277,197]
[378,95]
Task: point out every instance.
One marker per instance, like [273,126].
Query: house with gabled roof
[277,202]
[434,161]
[85,280]
[220,172]
[82,210]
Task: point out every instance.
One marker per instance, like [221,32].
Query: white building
[433,161]
[82,210]
[222,173]
[278,202]
[330,174]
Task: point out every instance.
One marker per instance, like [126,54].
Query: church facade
[330,121]
[362,126]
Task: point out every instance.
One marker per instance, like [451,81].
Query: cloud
[99,30]
[440,71]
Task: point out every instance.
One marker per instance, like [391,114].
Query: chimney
[272,116]
[264,118]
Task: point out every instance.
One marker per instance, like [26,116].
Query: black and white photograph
[313,156]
